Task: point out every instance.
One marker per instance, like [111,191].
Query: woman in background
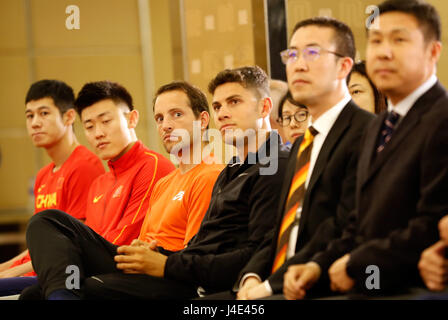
[363,91]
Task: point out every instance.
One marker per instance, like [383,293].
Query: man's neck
[126,149]
[324,104]
[185,167]
[62,150]
[193,160]
[396,96]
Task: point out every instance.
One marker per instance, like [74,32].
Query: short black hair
[252,77]
[288,97]
[426,15]
[344,39]
[198,100]
[94,92]
[61,93]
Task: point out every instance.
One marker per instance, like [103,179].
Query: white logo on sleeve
[179,196]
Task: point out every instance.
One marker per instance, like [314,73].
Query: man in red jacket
[119,199]
[62,184]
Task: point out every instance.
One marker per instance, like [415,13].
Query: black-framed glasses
[310,53]
[299,116]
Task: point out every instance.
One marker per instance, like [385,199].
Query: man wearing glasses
[318,190]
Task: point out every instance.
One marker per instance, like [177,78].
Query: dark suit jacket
[328,200]
[401,194]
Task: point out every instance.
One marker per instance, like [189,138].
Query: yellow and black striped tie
[294,201]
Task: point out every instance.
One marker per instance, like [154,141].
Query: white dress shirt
[323,126]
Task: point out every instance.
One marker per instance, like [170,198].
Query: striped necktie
[387,129]
[293,208]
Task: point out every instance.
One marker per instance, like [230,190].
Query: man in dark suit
[319,58]
[402,170]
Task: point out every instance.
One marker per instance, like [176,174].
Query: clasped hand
[141,258]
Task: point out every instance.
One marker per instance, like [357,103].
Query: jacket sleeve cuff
[247,275]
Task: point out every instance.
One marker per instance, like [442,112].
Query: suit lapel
[371,139]
[421,106]
[407,124]
[341,124]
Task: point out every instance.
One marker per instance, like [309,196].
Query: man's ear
[267,107]
[346,64]
[204,117]
[69,117]
[133,117]
[435,51]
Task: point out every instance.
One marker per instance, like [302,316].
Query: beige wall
[219,35]
[35,44]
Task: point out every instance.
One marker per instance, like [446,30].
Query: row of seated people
[355,191]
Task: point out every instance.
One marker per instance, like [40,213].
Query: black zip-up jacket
[242,210]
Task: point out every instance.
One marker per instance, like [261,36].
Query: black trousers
[56,241]
[120,286]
